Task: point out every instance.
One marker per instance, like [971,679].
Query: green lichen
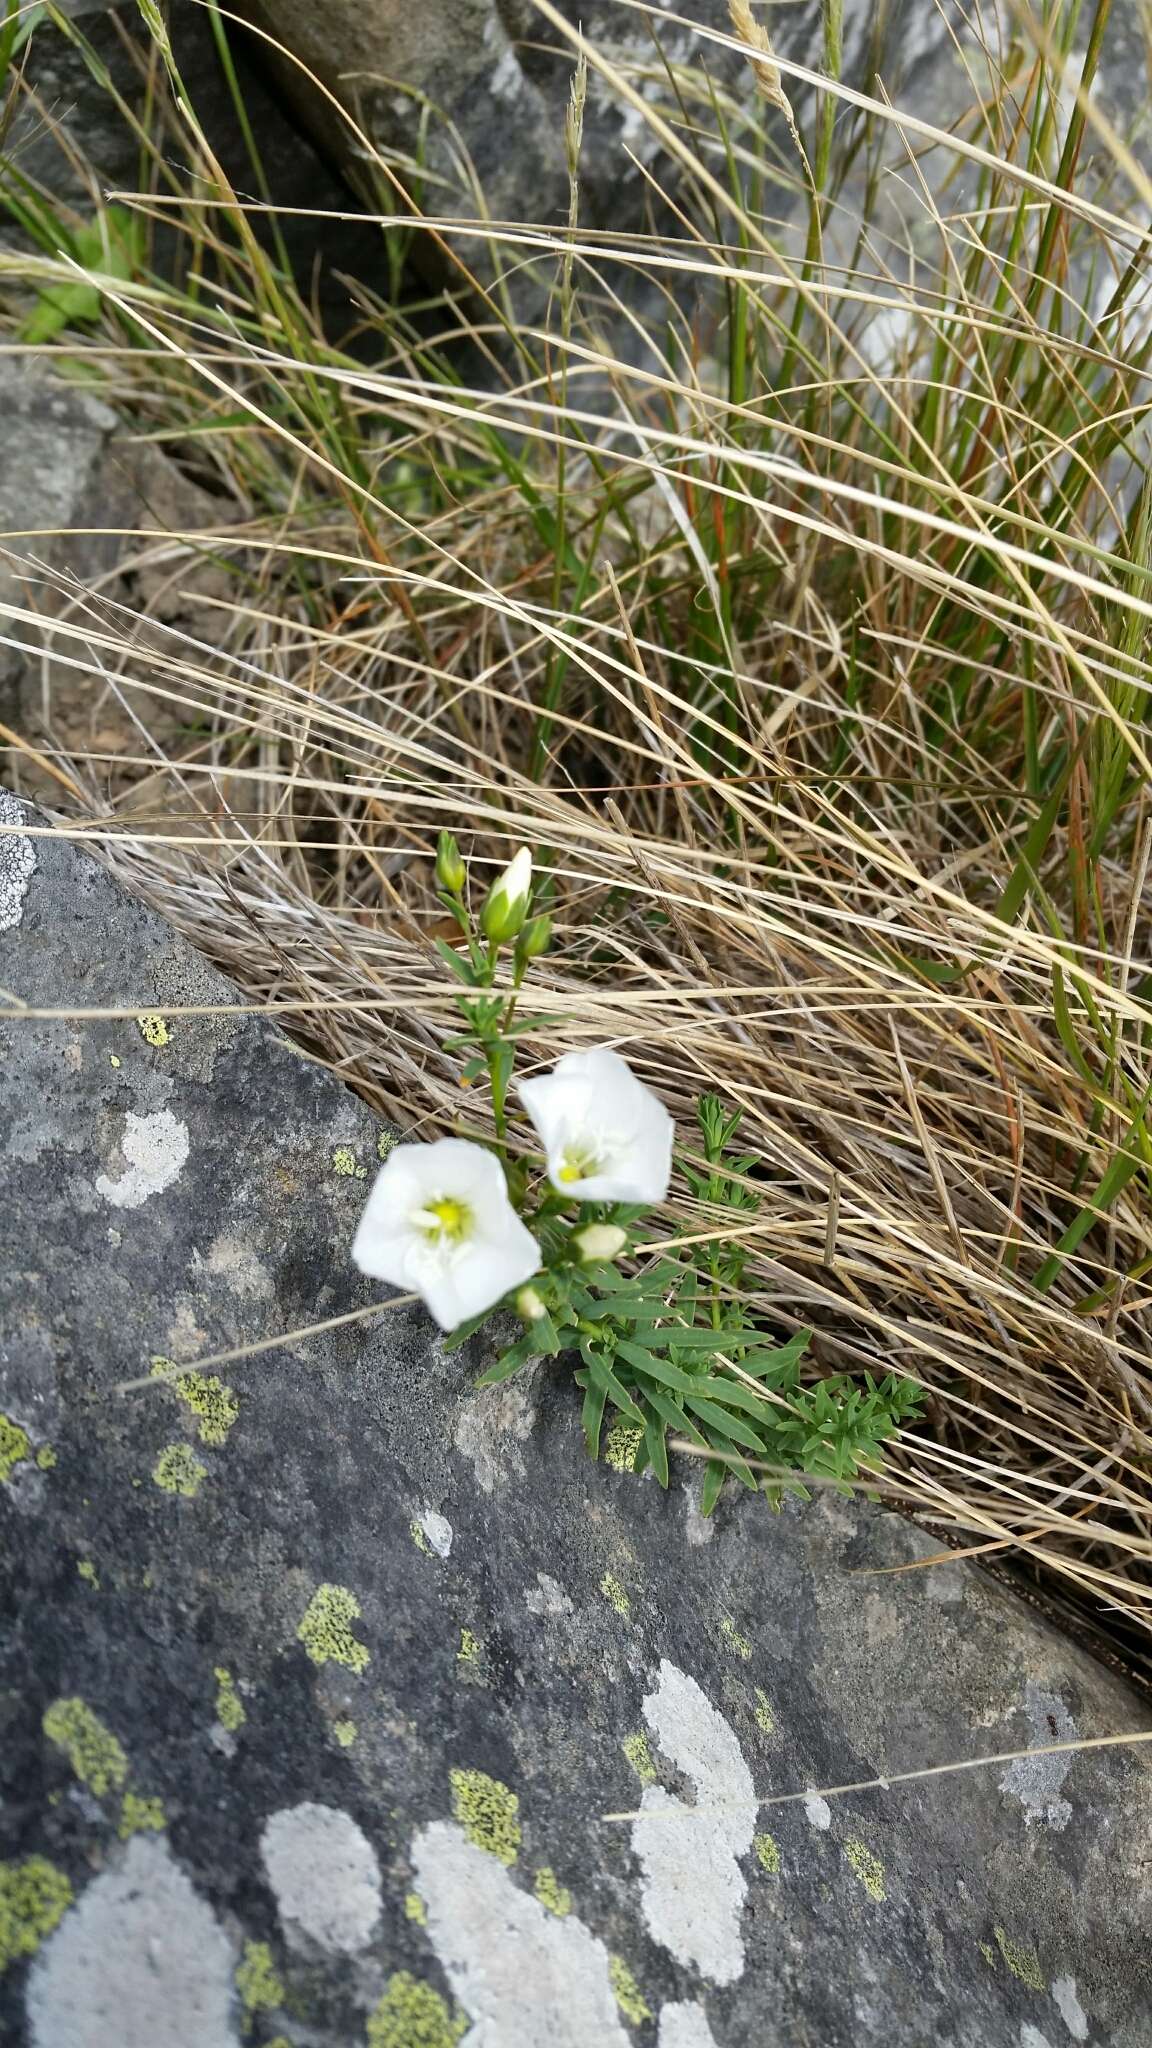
[415,1909]
[46,1458]
[15,1447]
[88,1573]
[419,1538]
[229,1705]
[553,1895]
[616,1596]
[1023,1962]
[114,1059]
[734,1639]
[765,1718]
[346,1164]
[639,1755]
[137,1815]
[326,1632]
[345,1733]
[212,1402]
[258,1983]
[621,1445]
[92,1750]
[179,1470]
[34,1897]
[866,1868]
[487,1811]
[470,1657]
[988,1953]
[386,1143]
[767,1854]
[153,1029]
[413,2015]
[627,1992]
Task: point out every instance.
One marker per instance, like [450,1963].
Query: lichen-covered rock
[373,1714]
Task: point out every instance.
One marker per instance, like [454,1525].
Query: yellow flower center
[446,1218]
[580,1162]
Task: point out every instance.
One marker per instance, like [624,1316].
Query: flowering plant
[672,1348]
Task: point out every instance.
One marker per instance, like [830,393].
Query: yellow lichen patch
[88,1572]
[326,1631]
[92,1750]
[487,1811]
[765,1718]
[114,1059]
[419,1538]
[137,1815]
[988,1953]
[345,1733]
[386,1143]
[346,1164]
[46,1458]
[413,2015]
[415,1909]
[15,1447]
[229,1705]
[734,1639]
[34,1897]
[639,1755]
[212,1402]
[1023,1962]
[179,1470]
[866,1868]
[553,1895]
[767,1853]
[627,1992]
[616,1596]
[621,1445]
[153,1029]
[258,1983]
[470,1657]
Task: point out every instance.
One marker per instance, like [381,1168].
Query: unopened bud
[529,1305]
[450,871]
[600,1241]
[506,904]
[535,938]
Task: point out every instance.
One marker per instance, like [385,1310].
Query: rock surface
[321,1670]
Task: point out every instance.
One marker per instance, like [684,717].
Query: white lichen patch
[547,1596]
[1038,1781]
[520,1973]
[323,1871]
[817,1812]
[491,1426]
[233,1260]
[1069,2007]
[155,1150]
[140,1960]
[684,2026]
[17,863]
[694,1889]
[436,1530]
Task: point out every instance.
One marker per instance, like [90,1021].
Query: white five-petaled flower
[607,1137]
[439,1222]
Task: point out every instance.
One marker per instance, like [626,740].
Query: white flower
[607,1137]
[506,903]
[439,1223]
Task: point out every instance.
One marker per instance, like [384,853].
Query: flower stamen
[445,1219]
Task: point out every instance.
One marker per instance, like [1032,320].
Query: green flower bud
[450,870]
[535,938]
[506,904]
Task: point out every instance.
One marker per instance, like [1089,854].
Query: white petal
[457,1280]
[593,1101]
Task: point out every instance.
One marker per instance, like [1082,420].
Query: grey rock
[345,1698]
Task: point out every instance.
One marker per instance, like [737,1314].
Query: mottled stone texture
[320,1675]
